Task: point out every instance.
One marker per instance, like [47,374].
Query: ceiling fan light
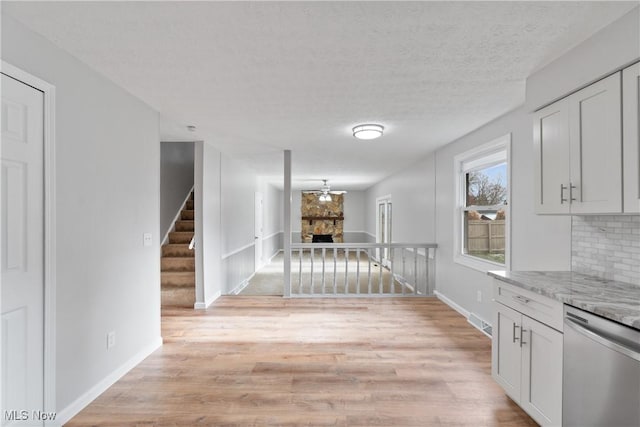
[368,131]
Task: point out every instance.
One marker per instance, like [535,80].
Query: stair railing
[356,269]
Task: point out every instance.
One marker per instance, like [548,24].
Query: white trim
[272,235]
[452,304]
[198,173]
[286,224]
[369,234]
[478,323]
[236,251]
[501,143]
[85,399]
[241,285]
[175,218]
[274,255]
[49,244]
[208,302]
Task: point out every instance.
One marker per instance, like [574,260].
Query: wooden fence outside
[485,236]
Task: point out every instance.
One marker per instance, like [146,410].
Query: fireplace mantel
[322,218]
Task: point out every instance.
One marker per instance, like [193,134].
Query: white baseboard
[452,304]
[80,403]
[472,318]
[242,285]
[274,255]
[207,303]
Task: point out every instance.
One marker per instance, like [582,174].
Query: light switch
[146,239]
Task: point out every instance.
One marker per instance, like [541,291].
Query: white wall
[176,180]
[272,219]
[354,217]
[537,242]
[108,195]
[412,195]
[208,224]
[237,215]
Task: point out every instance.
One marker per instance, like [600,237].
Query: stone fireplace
[321,218]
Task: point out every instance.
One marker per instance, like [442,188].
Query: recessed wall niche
[321,217]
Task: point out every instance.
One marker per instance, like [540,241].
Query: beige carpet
[269,279]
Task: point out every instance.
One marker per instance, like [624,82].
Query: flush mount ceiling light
[368,131]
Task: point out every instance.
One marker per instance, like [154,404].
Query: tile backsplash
[607,246]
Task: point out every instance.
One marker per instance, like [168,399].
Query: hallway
[271,361]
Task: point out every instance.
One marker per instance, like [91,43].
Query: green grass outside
[496,257]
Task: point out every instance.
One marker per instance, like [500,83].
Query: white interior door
[21,252]
[258,230]
[384,230]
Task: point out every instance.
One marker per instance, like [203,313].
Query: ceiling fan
[324,191]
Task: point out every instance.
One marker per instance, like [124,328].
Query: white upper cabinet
[551,143]
[631,137]
[578,151]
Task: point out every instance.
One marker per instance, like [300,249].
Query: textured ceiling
[260,77]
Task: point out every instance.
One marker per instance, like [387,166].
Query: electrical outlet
[111,339]
[479,296]
[146,239]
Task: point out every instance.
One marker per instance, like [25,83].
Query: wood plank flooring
[269,361]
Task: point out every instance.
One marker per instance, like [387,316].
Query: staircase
[178,270]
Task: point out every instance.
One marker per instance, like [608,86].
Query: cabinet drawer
[536,306]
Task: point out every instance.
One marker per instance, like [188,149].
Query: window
[482,209]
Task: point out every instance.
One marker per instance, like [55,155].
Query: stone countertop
[614,300]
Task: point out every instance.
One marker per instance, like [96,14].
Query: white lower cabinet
[527,362]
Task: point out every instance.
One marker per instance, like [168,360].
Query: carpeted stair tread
[187,214]
[178,297]
[190,204]
[183,225]
[178,278]
[177,264]
[177,250]
[180,237]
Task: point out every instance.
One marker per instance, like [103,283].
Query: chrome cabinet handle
[521,299]
[522,341]
[571,188]
[514,332]
[562,188]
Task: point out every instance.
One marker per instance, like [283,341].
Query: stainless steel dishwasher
[601,372]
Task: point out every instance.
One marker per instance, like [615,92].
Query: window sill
[477,263]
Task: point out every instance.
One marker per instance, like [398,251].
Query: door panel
[258,231]
[506,352]
[551,146]
[384,231]
[541,394]
[596,147]
[22,258]
[631,137]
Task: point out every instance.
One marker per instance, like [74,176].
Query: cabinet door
[551,154]
[631,137]
[505,351]
[595,132]
[541,393]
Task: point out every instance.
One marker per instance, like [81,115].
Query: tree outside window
[485,213]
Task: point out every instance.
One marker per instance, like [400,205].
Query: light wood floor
[250,361]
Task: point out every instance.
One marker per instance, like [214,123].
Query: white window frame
[502,143]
